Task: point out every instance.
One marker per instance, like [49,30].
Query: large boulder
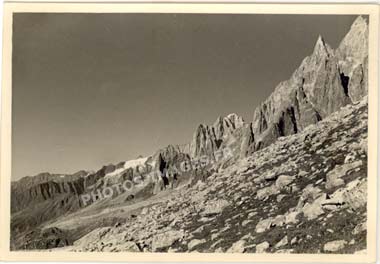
[215,207]
[166,239]
[334,246]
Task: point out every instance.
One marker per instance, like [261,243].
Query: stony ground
[304,194]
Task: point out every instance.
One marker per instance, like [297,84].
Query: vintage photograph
[189,133]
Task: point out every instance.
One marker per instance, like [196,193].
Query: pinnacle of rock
[301,163]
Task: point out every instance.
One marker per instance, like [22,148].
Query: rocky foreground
[304,194]
[295,179]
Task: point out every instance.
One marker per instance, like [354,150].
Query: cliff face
[353,59]
[167,162]
[325,81]
[305,193]
[208,139]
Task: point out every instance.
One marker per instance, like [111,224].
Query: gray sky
[93,89]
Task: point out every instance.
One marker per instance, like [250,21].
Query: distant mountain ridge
[324,82]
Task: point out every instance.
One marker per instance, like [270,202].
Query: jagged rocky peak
[208,139]
[324,82]
[168,156]
[226,125]
[321,48]
[237,120]
[352,54]
[204,141]
[354,46]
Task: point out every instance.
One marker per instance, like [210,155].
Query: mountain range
[296,126]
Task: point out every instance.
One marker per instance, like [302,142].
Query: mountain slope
[303,194]
[297,160]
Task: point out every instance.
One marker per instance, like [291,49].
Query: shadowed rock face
[305,193]
[168,162]
[353,59]
[325,81]
[208,139]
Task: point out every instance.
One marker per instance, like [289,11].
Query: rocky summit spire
[325,81]
[208,139]
[354,45]
[321,48]
[352,55]
[359,22]
[320,44]
[223,188]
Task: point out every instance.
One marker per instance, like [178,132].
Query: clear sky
[94,89]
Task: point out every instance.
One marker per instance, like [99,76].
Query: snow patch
[128,164]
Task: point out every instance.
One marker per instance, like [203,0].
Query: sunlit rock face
[285,182]
[325,81]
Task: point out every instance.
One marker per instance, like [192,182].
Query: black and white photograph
[171,132]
